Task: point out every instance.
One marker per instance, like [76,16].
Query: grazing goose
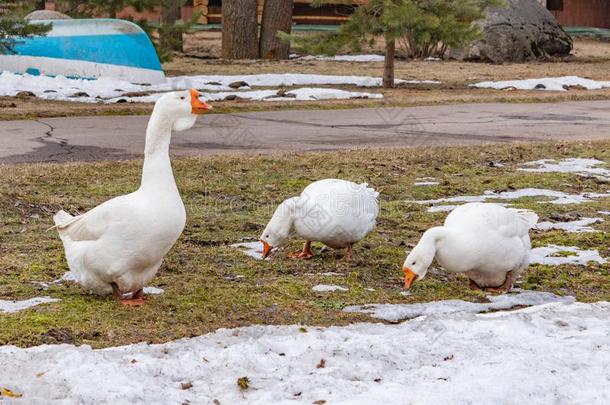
[489,243]
[117,247]
[337,213]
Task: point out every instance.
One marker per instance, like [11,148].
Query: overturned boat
[87,49]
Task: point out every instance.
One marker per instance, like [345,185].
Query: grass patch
[230,198]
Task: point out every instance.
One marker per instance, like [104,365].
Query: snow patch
[252,249]
[153,290]
[424,361]
[328,288]
[557,197]
[426,183]
[583,167]
[402,312]
[546,83]
[109,90]
[442,208]
[551,255]
[341,58]
[578,226]
[16,306]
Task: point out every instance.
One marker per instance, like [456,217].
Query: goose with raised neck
[118,246]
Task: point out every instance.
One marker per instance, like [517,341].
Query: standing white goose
[117,247]
[487,242]
[335,212]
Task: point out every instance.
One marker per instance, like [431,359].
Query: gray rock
[46,15]
[237,85]
[524,30]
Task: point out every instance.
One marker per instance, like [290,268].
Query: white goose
[335,212]
[487,242]
[118,246]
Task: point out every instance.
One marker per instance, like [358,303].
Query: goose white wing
[92,224]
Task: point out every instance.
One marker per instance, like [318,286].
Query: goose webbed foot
[348,254]
[136,299]
[305,254]
[505,287]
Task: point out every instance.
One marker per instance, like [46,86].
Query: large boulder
[46,15]
[524,30]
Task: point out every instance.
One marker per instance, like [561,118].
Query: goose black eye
[414,262]
[266,236]
[182,98]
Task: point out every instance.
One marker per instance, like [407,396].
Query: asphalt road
[122,137]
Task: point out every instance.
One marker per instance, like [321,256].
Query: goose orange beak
[266,249]
[198,106]
[410,277]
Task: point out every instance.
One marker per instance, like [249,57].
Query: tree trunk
[388,63]
[239,29]
[277,16]
[41,4]
[170,37]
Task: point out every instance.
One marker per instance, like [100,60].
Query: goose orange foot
[305,254]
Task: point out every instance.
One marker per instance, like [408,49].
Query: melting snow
[442,208]
[401,312]
[112,90]
[579,226]
[558,197]
[341,58]
[546,83]
[16,306]
[153,290]
[584,167]
[328,288]
[549,255]
[424,361]
[252,249]
[426,183]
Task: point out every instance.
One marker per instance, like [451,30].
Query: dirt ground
[590,59]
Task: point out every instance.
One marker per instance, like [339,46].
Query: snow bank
[401,312]
[328,288]
[549,255]
[578,226]
[546,83]
[16,306]
[112,90]
[583,167]
[556,353]
[557,197]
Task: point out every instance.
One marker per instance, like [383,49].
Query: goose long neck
[157,168]
[430,239]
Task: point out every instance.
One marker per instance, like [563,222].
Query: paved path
[102,138]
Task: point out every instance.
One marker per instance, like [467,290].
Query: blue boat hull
[88,49]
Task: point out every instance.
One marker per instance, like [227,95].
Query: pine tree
[422,27]
[13,28]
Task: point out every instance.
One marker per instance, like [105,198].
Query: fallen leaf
[5,392]
[319,402]
[243,383]
[186,385]
[321,364]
